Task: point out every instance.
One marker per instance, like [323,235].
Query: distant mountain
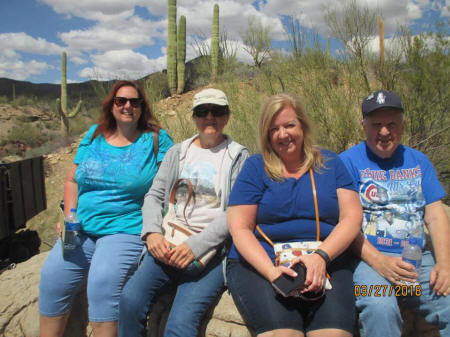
[82,90]
[43,90]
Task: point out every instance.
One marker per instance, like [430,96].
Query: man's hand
[158,246]
[440,279]
[181,256]
[394,269]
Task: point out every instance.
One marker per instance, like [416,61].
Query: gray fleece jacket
[156,200]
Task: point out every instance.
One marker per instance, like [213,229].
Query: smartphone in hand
[285,284]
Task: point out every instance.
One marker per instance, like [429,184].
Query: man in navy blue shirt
[400,192]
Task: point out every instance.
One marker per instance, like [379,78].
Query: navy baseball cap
[380,99]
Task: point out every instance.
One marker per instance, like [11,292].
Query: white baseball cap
[210,96]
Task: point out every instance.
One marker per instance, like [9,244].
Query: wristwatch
[323,255]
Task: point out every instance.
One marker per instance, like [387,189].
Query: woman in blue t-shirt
[274,190]
[113,169]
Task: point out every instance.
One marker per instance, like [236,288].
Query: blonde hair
[273,164]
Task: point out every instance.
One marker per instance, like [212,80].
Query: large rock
[19,315]
[19,291]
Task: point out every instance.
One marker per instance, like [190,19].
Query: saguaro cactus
[172,47]
[61,103]
[215,44]
[181,53]
[381,32]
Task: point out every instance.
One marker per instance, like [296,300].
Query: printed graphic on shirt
[206,197]
[111,168]
[393,206]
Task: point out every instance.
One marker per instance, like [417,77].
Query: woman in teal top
[113,169]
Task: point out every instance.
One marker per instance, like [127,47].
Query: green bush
[27,134]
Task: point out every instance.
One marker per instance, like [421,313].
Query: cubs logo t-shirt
[394,192]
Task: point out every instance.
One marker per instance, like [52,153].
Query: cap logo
[381,98]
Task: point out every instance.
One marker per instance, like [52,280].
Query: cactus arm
[215,44]
[172,46]
[61,103]
[181,53]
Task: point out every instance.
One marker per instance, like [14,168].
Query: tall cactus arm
[61,103]
[172,46]
[181,54]
[215,44]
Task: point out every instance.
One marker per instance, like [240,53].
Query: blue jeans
[105,261]
[194,295]
[265,310]
[380,315]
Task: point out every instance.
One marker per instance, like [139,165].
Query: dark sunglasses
[216,110]
[121,101]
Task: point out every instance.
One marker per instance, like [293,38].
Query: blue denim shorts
[265,310]
[106,262]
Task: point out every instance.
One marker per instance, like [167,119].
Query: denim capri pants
[265,310]
[105,261]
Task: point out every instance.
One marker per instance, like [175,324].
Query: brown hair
[107,123]
[272,162]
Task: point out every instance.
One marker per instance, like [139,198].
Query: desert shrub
[25,118]
[245,101]
[27,134]
[4,99]
[178,122]
[24,100]
[156,87]
[52,124]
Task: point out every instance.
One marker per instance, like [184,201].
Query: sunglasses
[121,101]
[216,110]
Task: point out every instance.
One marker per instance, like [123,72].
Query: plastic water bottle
[412,253]
[72,225]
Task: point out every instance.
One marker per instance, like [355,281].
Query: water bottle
[72,226]
[412,253]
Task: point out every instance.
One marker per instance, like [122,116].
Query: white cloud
[78,60]
[122,64]
[25,43]
[131,33]
[19,70]
[310,13]
[11,63]
[99,10]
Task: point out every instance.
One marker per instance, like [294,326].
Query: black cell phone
[285,284]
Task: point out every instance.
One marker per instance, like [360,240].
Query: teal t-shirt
[112,182]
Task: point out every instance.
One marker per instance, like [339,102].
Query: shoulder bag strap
[316,205]
[316,210]
[155,145]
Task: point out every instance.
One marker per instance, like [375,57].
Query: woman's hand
[277,271]
[158,246]
[181,256]
[315,272]
[58,229]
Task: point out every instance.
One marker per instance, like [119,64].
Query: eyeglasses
[121,101]
[217,110]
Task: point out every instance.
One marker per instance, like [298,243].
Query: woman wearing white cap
[209,163]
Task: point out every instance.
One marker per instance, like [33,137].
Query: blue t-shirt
[286,209]
[112,181]
[393,193]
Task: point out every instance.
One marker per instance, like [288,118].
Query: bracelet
[323,254]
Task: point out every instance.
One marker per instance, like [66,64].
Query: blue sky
[107,39]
